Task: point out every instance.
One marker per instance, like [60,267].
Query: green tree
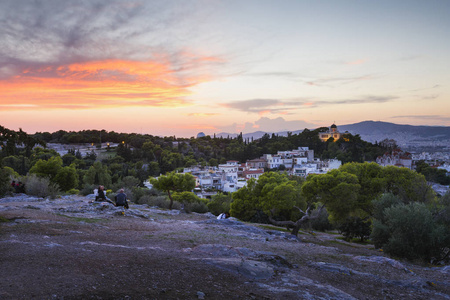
[337,190]
[245,204]
[4,181]
[412,233]
[47,168]
[372,184]
[273,194]
[408,185]
[174,182]
[67,178]
[68,159]
[97,174]
[20,164]
[220,203]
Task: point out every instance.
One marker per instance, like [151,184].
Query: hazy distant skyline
[180,67]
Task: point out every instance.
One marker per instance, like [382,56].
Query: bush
[66,178]
[41,186]
[4,182]
[355,227]
[159,201]
[136,193]
[198,207]
[410,231]
[88,189]
[321,223]
[219,203]
[73,192]
[383,202]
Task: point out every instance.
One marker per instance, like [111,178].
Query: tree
[47,168]
[372,184]
[276,196]
[245,204]
[410,231]
[20,164]
[408,185]
[97,174]
[337,190]
[67,178]
[220,203]
[4,181]
[174,182]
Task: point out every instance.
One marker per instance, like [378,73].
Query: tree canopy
[173,182]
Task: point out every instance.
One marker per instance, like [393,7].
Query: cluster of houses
[233,175]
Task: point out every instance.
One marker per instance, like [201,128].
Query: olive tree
[175,182]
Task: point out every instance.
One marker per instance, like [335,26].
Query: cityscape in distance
[410,138]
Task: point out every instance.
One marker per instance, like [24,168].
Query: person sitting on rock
[101,196]
[223,216]
[121,199]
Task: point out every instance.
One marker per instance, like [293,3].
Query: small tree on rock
[174,182]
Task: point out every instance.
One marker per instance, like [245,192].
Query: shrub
[159,201]
[198,207]
[134,193]
[321,223]
[41,186]
[88,189]
[73,192]
[383,202]
[219,203]
[4,181]
[66,178]
[410,231]
[355,227]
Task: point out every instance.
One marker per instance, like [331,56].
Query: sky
[180,67]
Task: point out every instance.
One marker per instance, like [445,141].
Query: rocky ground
[69,248]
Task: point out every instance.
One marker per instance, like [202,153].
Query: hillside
[409,137]
[73,249]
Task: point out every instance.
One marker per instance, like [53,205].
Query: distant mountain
[407,136]
[371,128]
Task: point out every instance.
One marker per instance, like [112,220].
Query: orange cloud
[107,83]
[264,112]
[202,114]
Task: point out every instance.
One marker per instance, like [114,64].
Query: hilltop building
[396,158]
[331,133]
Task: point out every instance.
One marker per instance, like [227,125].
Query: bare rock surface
[73,248]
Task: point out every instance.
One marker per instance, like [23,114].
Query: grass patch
[356,241]
[341,243]
[85,220]
[3,220]
[271,227]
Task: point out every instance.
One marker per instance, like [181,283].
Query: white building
[396,158]
[230,169]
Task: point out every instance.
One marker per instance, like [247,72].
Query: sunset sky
[180,67]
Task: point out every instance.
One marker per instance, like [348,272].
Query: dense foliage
[432,174]
[408,220]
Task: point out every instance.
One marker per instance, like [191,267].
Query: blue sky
[180,67]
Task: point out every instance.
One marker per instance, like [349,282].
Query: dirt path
[72,249]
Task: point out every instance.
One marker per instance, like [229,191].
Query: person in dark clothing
[13,184]
[121,199]
[101,196]
[20,187]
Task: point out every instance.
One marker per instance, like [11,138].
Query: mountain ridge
[366,128]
